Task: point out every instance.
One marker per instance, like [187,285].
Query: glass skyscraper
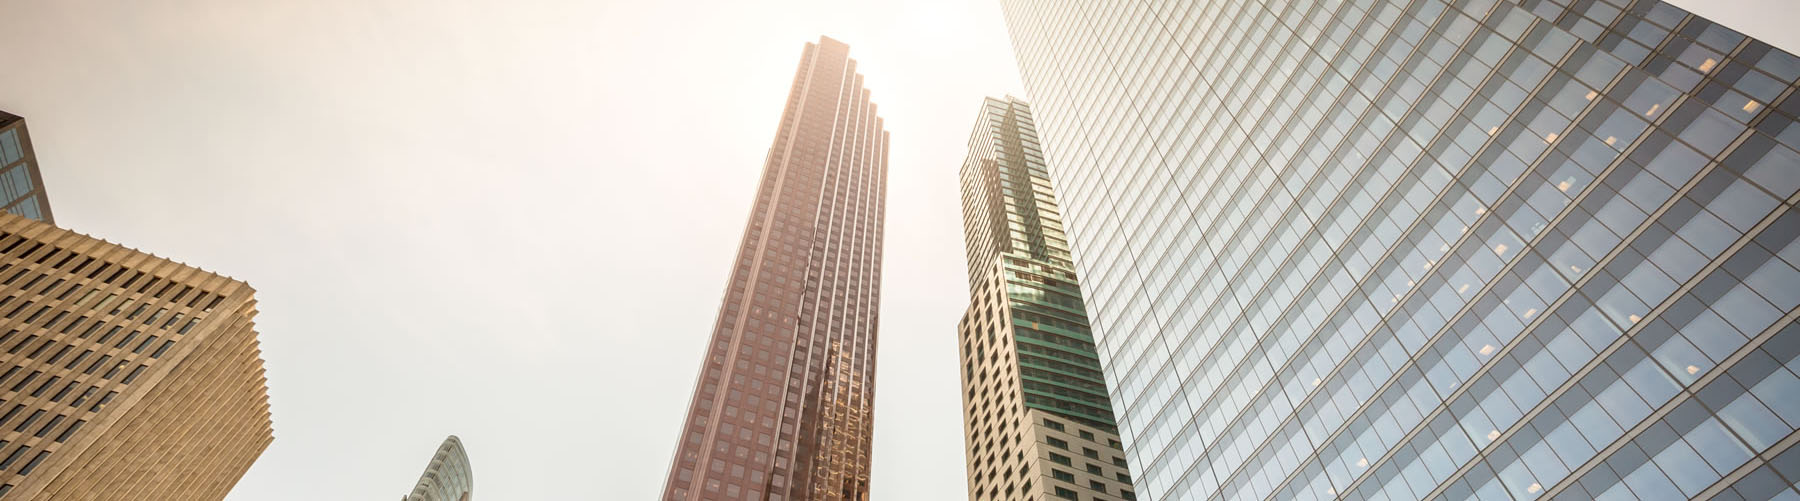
[1036,419]
[448,477]
[21,185]
[783,408]
[1403,249]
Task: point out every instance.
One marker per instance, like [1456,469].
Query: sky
[509,221]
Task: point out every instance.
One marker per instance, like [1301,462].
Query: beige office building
[1037,421]
[123,376]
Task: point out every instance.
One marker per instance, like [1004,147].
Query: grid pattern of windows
[1031,378]
[122,375]
[21,186]
[448,477]
[1396,249]
[782,409]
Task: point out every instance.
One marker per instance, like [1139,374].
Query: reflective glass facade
[21,185]
[1392,249]
[1037,420]
[783,408]
[448,477]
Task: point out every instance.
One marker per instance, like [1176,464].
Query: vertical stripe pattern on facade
[1404,249]
[783,407]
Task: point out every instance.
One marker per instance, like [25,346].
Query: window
[1053,424]
[1054,457]
[14,457]
[1057,443]
[50,425]
[34,462]
[1066,494]
[27,422]
[134,374]
[1096,486]
[1062,475]
[71,431]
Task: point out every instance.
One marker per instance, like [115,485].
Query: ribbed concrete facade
[448,477]
[1431,249]
[124,376]
[21,184]
[782,409]
[1037,423]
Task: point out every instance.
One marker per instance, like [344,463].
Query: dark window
[50,425]
[159,350]
[134,374]
[34,462]
[27,422]
[26,381]
[14,457]
[71,431]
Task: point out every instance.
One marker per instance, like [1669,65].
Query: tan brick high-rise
[123,376]
[782,410]
[1036,419]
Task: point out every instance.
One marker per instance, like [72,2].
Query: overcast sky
[507,220]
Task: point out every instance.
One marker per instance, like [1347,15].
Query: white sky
[507,220]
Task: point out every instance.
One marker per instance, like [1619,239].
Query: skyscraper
[124,375]
[21,185]
[782,406]
[1036,420]
[1402,249]
[447,477]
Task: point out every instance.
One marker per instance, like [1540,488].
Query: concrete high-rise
[1404,249]
[447,477]
[21,185]
[1036,420]
[124,375]
[782,408]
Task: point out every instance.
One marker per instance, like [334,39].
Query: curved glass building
[448,477]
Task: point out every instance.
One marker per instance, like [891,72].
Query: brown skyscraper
[782,410]
[123,376]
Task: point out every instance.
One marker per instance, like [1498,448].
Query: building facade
[1404,249]
[21,185]
[1037,423]
[782,408]
[448,477]
[124,375]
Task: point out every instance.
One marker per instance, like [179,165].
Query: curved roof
[447,477]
